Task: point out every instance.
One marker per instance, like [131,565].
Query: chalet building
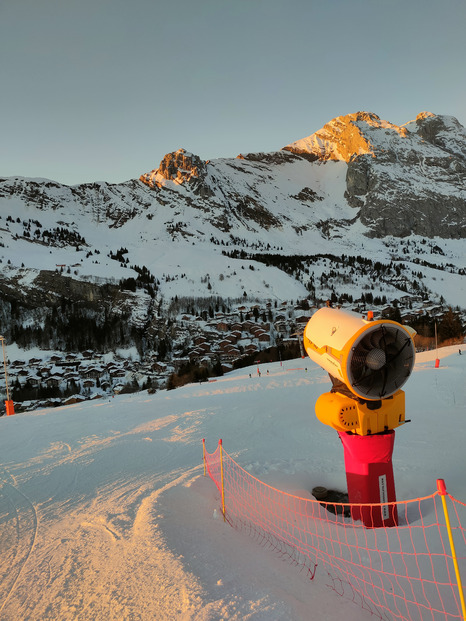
[230,357]
[302,320]
[158,367]
[17,363]
[118,373]
[408,317]
[195,354]
[178,363]
[281,327]
[71,376]
[93,372]
[74,399]
[53,381]
[264,337]
[222,326]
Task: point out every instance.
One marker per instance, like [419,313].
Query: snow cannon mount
[368,362]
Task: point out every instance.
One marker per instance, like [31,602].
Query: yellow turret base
[346,414]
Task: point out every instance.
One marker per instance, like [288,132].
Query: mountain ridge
[283,225]
[398,181]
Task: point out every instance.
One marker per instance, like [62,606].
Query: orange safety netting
[402,572]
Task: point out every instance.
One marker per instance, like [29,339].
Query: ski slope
[105,512]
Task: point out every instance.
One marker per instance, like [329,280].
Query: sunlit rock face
[402,179]
[344,137]
[179,167]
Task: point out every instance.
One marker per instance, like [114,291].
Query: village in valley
[201,347]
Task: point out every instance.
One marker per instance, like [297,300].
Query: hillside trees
[450,326]
[67,326]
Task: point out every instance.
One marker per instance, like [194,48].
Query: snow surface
[105,512]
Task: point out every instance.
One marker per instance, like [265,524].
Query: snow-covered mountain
[360,206]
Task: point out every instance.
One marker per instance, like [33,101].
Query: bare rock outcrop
[179,167]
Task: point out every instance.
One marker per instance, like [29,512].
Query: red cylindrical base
[10,407]
[369,475]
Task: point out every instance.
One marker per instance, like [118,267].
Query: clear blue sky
[102,89]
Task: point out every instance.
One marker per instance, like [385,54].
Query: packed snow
[105,512]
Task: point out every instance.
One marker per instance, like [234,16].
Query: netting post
[203,454]
[442,490]
[221,476]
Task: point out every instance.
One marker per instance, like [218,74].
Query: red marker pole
[10,406]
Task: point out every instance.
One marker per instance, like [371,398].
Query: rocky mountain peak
[442,131]
[179,167]
[345,137]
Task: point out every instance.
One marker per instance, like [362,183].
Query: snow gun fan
[381,362]
[368,361]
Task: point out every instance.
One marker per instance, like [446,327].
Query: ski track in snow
[18,534]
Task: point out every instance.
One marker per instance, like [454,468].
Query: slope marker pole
[203,454]
[221,475]
[442,490]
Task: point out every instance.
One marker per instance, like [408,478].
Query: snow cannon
[368,362]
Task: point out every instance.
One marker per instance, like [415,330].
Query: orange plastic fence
[403,572]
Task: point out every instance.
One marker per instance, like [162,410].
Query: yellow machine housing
[346,414]
[372,358]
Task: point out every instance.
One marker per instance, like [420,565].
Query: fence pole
[442,490]
[203,453]
[221,476]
